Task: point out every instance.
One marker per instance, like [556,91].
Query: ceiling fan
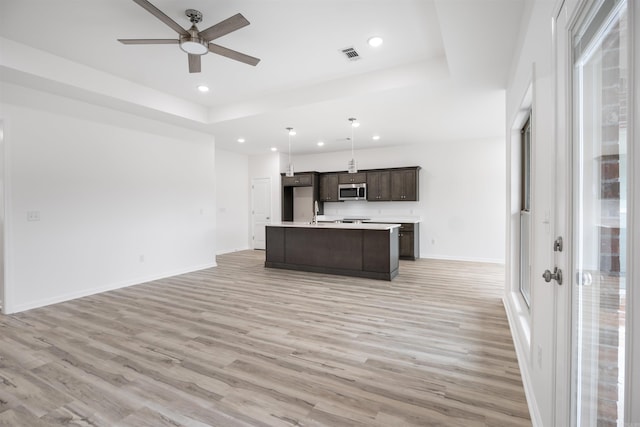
[194,42]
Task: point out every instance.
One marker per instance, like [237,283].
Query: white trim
[467,259]
[109,287]
[522,355]
[230,251]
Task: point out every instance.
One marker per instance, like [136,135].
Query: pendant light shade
[352,166]
[290,172]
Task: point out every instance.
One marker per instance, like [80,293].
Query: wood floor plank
[241,345]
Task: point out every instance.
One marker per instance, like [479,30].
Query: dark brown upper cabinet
[289,185]
[302,180]
[352,178]
[378,186]
[404,184]
[329,187]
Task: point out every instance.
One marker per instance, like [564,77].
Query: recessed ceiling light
[375,41]
[320,143]
[274,149]
[203,88]
[376,137]
[241,140]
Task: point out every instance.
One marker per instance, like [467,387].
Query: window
[525,208]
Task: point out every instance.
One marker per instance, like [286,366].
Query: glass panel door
[600,70]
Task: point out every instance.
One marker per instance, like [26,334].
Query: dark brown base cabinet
[350,252]
[409,241]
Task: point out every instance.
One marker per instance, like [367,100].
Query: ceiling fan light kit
[193,45]
[194,42]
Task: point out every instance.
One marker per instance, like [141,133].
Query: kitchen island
[361,250]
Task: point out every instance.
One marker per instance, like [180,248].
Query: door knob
[556,275]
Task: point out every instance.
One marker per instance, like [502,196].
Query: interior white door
[260,210]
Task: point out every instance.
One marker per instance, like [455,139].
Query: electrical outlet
[33,215]
[141,258]
[433,241]
[539,356]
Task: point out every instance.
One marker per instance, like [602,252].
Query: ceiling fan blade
[222,28]
[194,63]
[232,54]
[148,41]
[161,16]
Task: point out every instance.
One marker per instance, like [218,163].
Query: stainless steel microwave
[352,192]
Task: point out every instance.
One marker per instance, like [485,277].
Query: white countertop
[374,219]
[342,225]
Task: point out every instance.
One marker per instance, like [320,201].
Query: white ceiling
[439,76]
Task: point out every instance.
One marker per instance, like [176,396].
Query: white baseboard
[525,373]
[109,287]
[228,251]
[468,259]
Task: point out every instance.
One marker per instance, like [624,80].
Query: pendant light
[352,166]
[290,132]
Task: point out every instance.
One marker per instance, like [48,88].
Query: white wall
[232,202]
[118,204]
[462,194]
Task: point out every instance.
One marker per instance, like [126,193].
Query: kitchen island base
[360,252]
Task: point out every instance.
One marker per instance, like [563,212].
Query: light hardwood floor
[241,345]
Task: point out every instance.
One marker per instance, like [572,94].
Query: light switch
[33,215]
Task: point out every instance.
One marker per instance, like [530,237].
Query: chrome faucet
[315,212]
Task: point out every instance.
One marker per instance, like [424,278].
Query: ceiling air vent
[351,54]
